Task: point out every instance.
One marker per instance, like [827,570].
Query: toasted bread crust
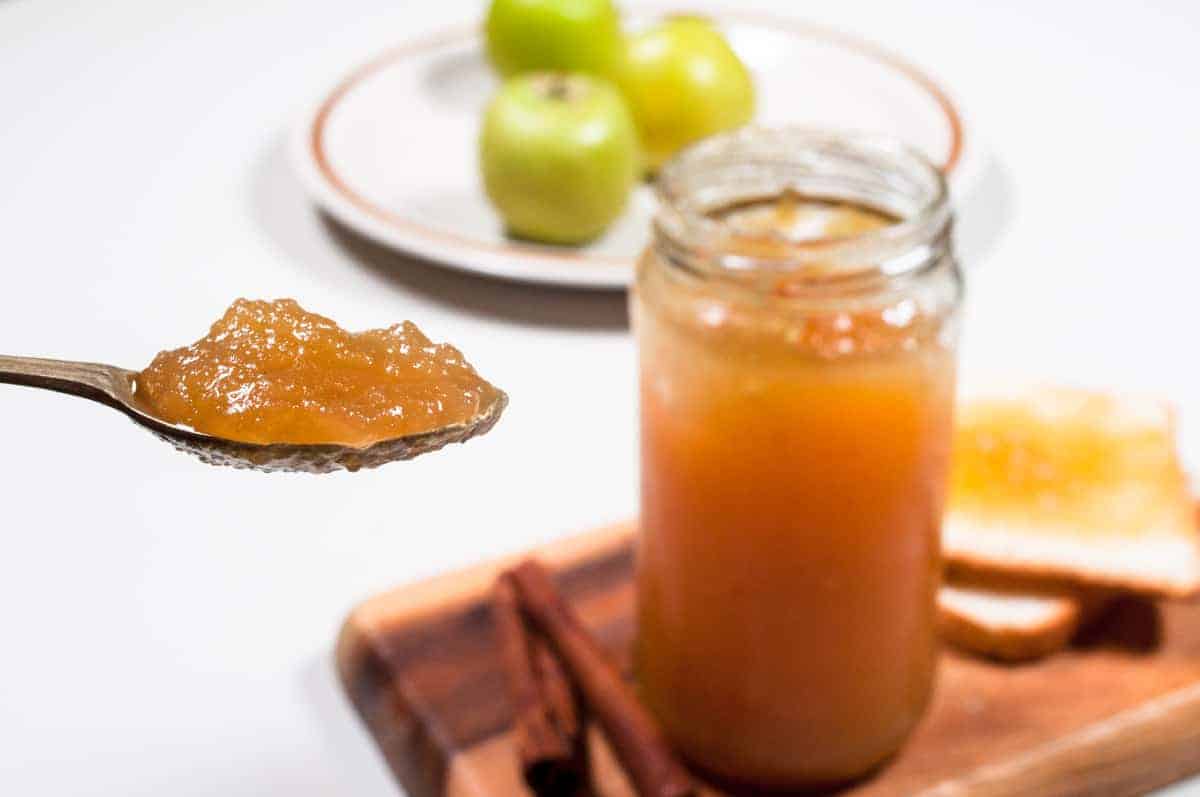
[1014,618]
[1006,644]
[1164,566]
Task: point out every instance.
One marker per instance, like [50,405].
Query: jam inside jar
[796,317]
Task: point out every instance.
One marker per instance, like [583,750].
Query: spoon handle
[93,381]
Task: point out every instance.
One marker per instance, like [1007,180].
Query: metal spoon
[114,387]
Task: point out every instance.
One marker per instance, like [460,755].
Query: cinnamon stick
[549,735]
[636,739]
[557,691]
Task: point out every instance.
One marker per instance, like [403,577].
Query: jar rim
[688,227]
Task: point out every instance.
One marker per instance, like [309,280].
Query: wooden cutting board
[1117,714]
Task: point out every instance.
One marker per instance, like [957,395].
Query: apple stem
[557,87]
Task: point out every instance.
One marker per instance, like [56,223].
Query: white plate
[391,151]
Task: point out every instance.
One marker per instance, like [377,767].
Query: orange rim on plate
[316,135]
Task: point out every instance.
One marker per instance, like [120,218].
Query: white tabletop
[168,625]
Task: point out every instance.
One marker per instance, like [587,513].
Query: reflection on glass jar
[796,317]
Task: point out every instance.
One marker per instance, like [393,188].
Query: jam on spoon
[271,372]
[275,388]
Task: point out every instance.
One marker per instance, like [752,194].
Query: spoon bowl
[115,388]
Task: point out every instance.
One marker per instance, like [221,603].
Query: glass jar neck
[693,234]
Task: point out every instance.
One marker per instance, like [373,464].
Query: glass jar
[796,317]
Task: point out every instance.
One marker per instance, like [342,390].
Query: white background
[166,627]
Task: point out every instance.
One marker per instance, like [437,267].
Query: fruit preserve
[1093,464]
[796,319]
[271,372]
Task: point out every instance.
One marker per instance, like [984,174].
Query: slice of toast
[1074,486]
[1009,623]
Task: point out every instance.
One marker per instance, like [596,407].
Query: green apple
[559,155]
[683,83]
[554,35]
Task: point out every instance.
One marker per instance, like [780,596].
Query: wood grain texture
[1116,714]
